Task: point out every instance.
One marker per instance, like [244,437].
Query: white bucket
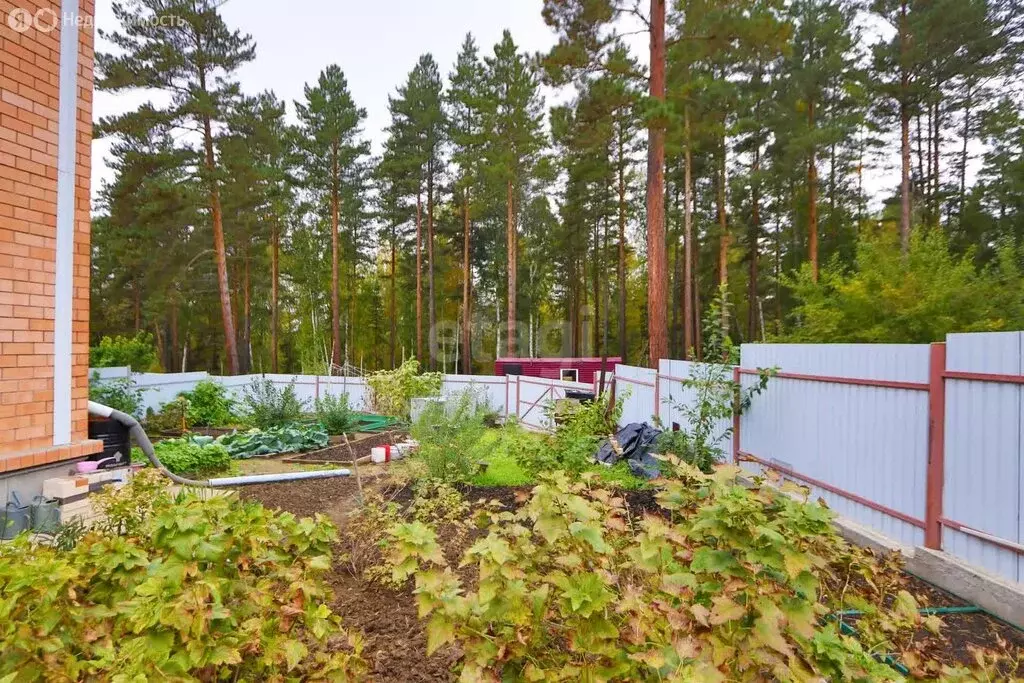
[389,452]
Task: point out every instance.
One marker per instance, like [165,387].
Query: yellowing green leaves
[724,610]
[440,631]
[709,560]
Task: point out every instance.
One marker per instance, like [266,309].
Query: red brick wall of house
[29,81]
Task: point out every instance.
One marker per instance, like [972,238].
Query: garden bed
[339,452]
[396,638]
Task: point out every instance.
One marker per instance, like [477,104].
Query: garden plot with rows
[490,553]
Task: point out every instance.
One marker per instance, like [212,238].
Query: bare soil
[395,639]
[339,452]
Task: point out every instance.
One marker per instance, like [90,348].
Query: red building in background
[584,370]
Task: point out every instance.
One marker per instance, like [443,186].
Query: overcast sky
[376,43]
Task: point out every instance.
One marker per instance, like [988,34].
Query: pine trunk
[755,236]
[812,199]
[595,333]
[431,304]
[963,152]
[657,265]
[623,343]
[335,257]
[419,276]
[689,332]
[512,254]
[174,366]
[467,360]
[394,303]
[936,178]
[275,276]
[904,137]
[245,353]
[221,253]
[725,238]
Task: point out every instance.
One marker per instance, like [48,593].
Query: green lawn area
[504,470]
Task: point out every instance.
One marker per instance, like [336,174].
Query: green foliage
[267,406]
[724,586]
[496,449]
[448,433]
[193,455]
[579,430]
[917,299]
[138,353]
[172,417]
[209,405]
[334,414]
[196,589]
[717,396]
[391,390]
[293,438]
[119,393]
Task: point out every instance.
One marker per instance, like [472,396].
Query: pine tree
[332,146]
[513,115]
[191,58]
[466,109]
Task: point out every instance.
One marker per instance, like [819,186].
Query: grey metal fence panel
[868,441]
[634,390]
[983,447]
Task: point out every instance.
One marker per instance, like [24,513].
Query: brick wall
[29,82]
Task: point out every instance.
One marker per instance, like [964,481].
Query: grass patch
[620,476]
[502,470]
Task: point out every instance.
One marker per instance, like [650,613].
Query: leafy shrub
[192,455]
[334,413]
[197,590]
[267,406]
[172,417]
[575,441]
[708,424]
[724,586]
[447,433]
[138,353]
[391,390]
[598,417]
[916,298]
[288,439]
[119,393]
[209,405]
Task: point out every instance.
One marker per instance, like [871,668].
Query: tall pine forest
[669,174]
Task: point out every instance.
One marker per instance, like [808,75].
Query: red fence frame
[934,520]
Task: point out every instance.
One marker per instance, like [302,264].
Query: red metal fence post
[936,446]
[736,416]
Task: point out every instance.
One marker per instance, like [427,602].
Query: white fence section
[490,390]
[529,398]
[867,440]
[984,479]
[159,388]
[634,389]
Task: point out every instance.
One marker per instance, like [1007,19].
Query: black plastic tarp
[632,443]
